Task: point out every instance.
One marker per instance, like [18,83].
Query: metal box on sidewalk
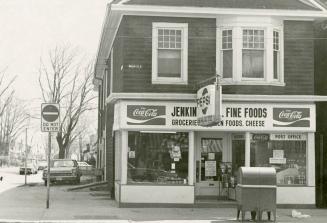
[256,191]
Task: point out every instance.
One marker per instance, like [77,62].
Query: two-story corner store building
[152,56]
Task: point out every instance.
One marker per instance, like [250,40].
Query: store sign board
[209,105]
[288,136]
[260,137]
[183,116]
[291,117]
[146,115]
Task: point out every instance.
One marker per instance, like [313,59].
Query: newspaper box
[256,191]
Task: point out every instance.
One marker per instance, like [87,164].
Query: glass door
[208,161]
[211,157]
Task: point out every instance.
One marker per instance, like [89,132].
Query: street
[11,178]
[21,203]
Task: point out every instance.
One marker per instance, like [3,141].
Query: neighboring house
[153,57]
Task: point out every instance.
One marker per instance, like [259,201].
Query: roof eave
[213,12]
[109,30]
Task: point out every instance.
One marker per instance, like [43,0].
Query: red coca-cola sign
[291,117]
[146,115]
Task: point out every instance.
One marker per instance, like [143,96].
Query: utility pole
[25,156]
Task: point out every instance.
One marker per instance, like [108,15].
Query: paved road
[11,178]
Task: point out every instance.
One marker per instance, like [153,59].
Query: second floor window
[276,55]
[169,53]
[253,53]
[250,51]
[227,53]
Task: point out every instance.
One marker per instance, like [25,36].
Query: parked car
[63,170]
[31,167]
[42,164]
[85,166]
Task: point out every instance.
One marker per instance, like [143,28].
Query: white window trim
[221,53]
[237,24]
[184,54]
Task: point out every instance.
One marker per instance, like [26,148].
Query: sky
[30,28]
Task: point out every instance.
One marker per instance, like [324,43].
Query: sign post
[50,122]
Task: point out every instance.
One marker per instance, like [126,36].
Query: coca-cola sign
[291,117]
[146,115]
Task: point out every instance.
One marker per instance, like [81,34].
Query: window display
[287,156]
[160,158]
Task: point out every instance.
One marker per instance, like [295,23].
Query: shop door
[208,165]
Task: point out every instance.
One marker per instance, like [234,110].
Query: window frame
[227,49]
[183,79]
[278,55]
[261,49]
[237,24]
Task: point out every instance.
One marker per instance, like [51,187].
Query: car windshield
[63,163]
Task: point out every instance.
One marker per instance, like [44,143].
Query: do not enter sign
[50,117]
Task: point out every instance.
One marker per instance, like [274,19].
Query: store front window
[158,158]
[285,152]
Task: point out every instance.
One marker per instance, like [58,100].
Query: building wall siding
[133,57]
[110,149]
[299,57]
[137,40]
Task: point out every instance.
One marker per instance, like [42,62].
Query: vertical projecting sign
[209,105]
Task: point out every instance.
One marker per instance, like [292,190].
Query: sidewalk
[27,203]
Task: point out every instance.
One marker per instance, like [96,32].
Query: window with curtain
[253,53]
[276,54]
[227,53]
[169,53]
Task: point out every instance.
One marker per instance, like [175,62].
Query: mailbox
[256,191]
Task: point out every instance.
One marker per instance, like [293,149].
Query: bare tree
[13,121]
[7,132]
[65,80]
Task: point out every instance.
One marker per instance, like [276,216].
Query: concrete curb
[87,185]
[63,221]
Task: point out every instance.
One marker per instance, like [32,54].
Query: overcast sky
[29,28]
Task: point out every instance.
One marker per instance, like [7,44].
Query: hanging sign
[209,105]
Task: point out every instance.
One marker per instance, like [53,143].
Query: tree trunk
[61,152]
[60,145]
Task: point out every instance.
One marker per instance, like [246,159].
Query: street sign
[50,121]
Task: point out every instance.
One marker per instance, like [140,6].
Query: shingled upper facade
[153,57]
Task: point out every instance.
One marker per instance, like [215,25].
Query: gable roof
[241,4]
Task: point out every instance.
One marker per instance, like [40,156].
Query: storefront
[163,156]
